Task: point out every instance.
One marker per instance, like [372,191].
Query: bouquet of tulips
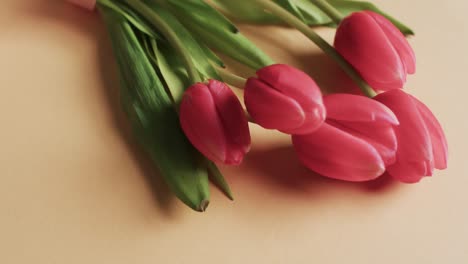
[174,90]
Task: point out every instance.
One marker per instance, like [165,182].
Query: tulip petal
[286,99]
[429,167]
[408,172]
[438,139]
[398,40]
[336,154]
[362,42]
[313,121]
[293,82]
[297,85]
[382,137]
[414,142]
[270,108]
[356,108]
[234,120]
[202,124]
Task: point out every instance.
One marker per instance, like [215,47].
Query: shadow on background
[280,169]
[89,24]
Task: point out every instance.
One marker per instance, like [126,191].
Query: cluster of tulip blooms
[342,136]
[350,137]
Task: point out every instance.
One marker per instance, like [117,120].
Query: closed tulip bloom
[422,145]
[215,123]
[88,4]
[286,99]
[354,144]
[377,49]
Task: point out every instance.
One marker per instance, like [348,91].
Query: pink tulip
[215,123]
[422,145]
[88,4]
[356,142]
[377,49]
[286,99]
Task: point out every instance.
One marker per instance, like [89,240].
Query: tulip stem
[330,10]
[153,18]
[231,78]
[293,21]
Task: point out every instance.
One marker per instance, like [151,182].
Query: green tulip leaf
[245,11]
[215,31]
[196,51]
[176,78]
[248,12]
[153,117]
[131,17]
[170,68]
[347,7]
[218,179]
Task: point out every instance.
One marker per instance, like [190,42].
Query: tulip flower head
[286,99]
[355,143]
[377,49]
[422,145]
[215,123]
[88,4]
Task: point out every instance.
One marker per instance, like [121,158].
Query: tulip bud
[422,145]
[355,143]
[286,99]
[215,123]
[377,49]
[88,4]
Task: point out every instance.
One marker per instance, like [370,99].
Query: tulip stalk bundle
[174,90]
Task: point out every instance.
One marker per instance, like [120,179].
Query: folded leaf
[245,11]
[216,31]
[176,79]
[153,117]
[248,12]
[347,7]
[218,179]
[170,69]
[154,13]
[290,5]
[131,17]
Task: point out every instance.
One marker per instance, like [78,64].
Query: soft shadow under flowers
[280,168]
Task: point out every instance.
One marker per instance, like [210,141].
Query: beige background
[75,189]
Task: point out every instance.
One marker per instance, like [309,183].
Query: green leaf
[216,31]
[153,116]
[168,64]
[347,7]
[171,69]
[247,12]
[218,179]
[176,78]
[211,55]
[291,7]
[312,14]
[131,17]
[197,53]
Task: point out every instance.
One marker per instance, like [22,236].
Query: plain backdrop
[75,188]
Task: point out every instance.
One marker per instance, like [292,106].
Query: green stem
[293,21]
[231,78]
[169,34]
[330,10]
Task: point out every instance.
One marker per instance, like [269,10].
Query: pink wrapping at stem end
[88,4]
